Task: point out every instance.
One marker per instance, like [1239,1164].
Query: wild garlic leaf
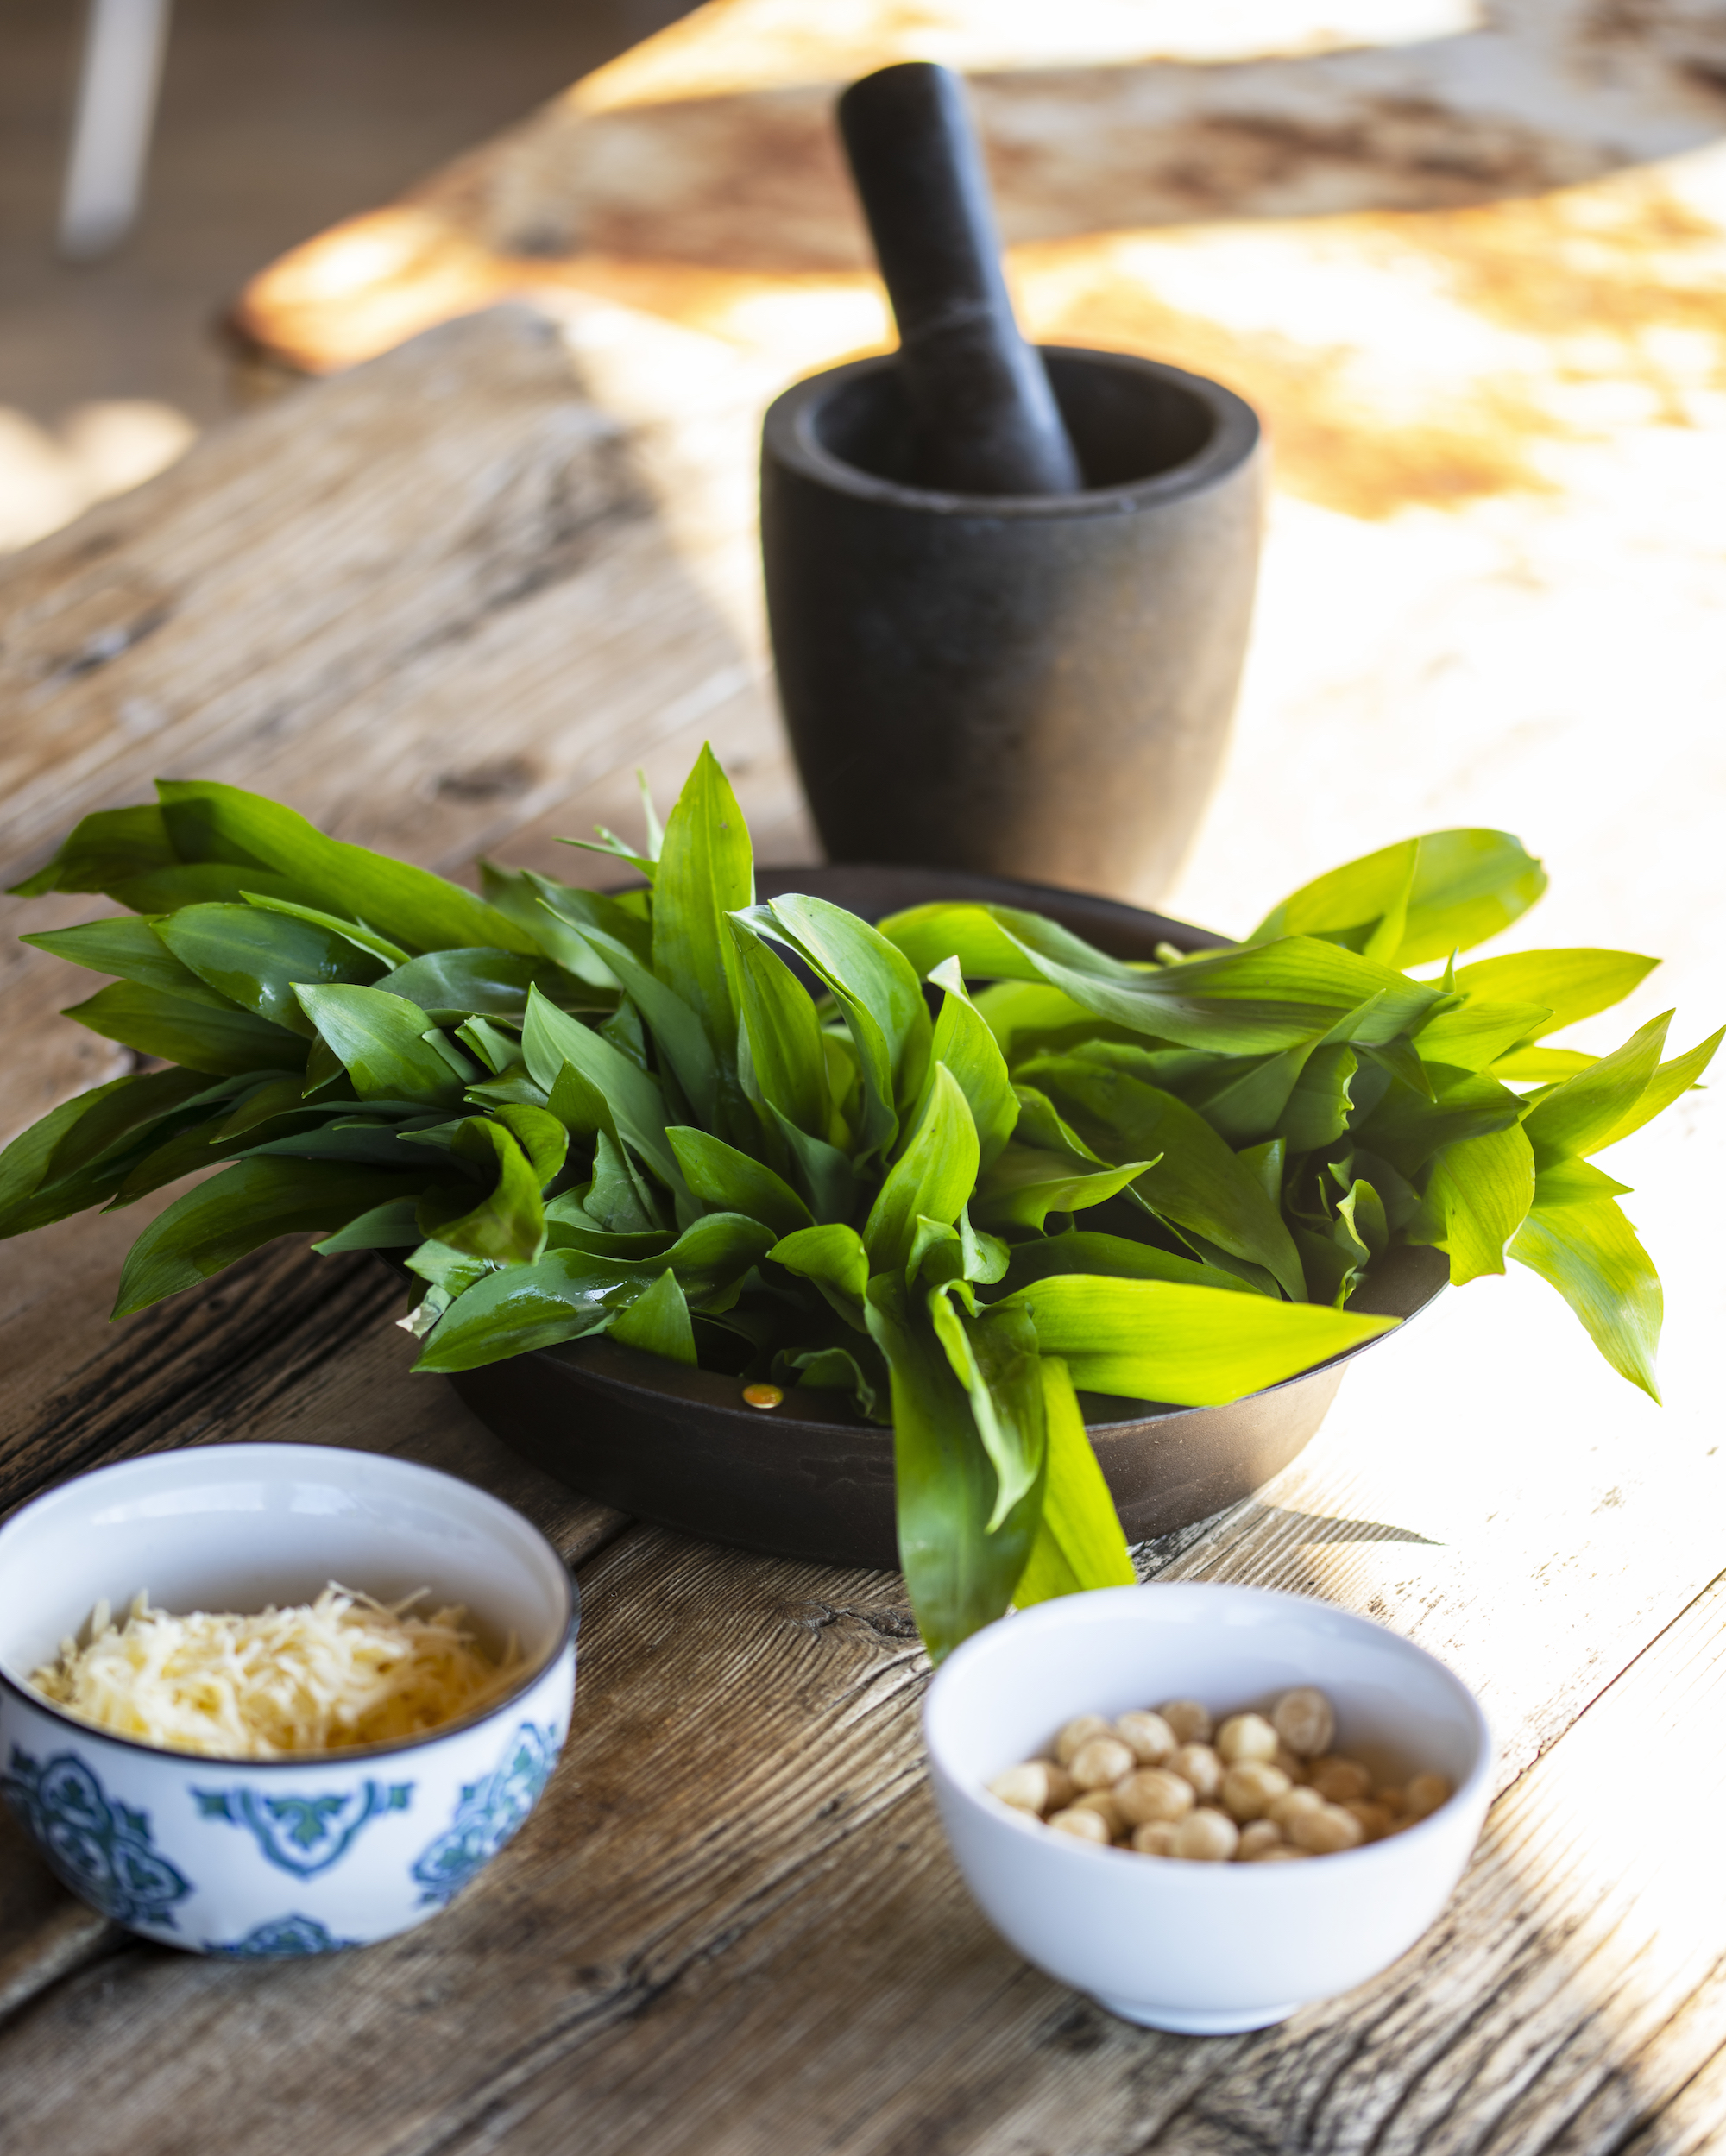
[1481,1189]
[354,932]
[1477,1031]
[248,1204]
[1574,984]
[994,1354]
[377,1038]
[1154,1340]
[1026,1185]
[221,1041]
[414,908]
[112,846]
[1669,1080]
[965,1046]
[786,1062]
[933,1177]
[256,958]
[1079,1544]
[833,1259]
[1463,886]
[1590,1255]
[452,984]
[1084,1250]
[731,1182]
[959,1575]
[656,1322]
[1580,1115]
[128,948]
[705,872]
[552,1038]
[681,1037]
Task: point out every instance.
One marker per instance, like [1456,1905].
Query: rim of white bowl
[385,1747]
[1068,1609]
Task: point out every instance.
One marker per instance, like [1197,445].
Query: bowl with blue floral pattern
[305,1854]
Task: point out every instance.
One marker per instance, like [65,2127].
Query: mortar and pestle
[1009,588]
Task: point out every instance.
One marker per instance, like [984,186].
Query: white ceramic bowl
[1204,1949]
[276,1858]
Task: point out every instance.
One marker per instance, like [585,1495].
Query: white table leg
[116,101]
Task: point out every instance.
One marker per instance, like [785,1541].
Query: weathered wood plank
[733,1928]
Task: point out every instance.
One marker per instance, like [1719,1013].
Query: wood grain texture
[733,1928]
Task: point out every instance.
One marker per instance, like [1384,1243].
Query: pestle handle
[984,418]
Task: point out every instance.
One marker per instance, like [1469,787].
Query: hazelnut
[1205,1837]
[1026,1788]
[1190,1722]
[1084,1827]
[1099,1762]
[1250,1789]
[1079,1731]
[1375,1821]
[1146,1735]
[1304,1720]
[1336,1778]
[1198,1764]
[1284,1809]
[1155,1838]
[1151,1795]
[1278,1853]
[1107,1806]
[1292,1764]
[1245,1737]
[1325,1831]
[1425,1793]
[1256,1837]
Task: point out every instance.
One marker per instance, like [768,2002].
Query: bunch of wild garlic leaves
[579,1113]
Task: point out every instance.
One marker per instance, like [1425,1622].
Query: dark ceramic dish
[810,1479]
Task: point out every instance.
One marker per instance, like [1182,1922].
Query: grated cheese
[322,1677]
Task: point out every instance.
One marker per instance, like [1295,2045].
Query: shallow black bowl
[810,1479]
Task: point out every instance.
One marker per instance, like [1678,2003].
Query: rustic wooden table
[447,601]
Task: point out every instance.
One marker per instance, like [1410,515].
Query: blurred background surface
[276,117]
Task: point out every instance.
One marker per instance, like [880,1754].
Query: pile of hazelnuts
[1262,1789]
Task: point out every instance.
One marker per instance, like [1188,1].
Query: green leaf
[1030,1017]
[1026,1185]
[705,872]
[1572,984]
[77,1154]
[1116,1256]
[391,1225]
[355,932]
[877,991]
[1541,1065]
[113,845]
[786,1064]
[1669,1080]
[1247,1098]
[832,1256]
[682,1038]
[453,984]
[521,895]
[1246,1002]
[551,1039]
[1575,1183]
[1481,1189]
[568,1293]
[1465,886]
[378,1037]
[130,949]
[616,1199]
[993,1355]
[540,1135]
[1580,1115]
[1363,1210]
[507,1227]
[1478,1032]
[257,958]
[224,1042]
[967,1049]
[826,1174]
[1079,1542]
[1266,1162]
[1197,1182]
[199,883]
[1151,1340]
[412,906]
[658,1322]
[1407,1128]
[730,1182]
[580,910]
[237,1211]
[1317,1110]
[933,1177]
[958,1576]
[838,1370]
[1590,1255]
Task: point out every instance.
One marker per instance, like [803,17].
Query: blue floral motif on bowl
[305,1835]
[101,1848]
[490,1811]
[283,1938]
